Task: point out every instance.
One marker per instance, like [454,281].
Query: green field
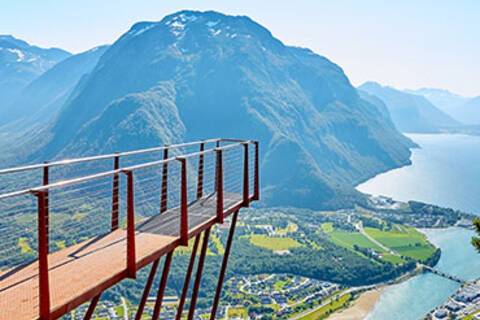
[327,227]
[349,239]
[325,311]
[24,245]
[280,284]
[238,313]
[407,241]
[419,253]
[392,258]
[274,243]
[290,228]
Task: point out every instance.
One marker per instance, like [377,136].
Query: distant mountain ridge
[195,75]
[43,97]
[463,109]
[411,112]
[20,63]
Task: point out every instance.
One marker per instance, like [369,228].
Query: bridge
[71,229]
[443,274]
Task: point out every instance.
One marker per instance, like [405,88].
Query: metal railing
[215,171]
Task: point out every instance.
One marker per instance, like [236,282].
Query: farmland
[274,243]
[407,241]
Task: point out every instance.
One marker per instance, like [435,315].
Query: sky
[404,43]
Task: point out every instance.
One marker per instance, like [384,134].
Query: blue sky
[404,43]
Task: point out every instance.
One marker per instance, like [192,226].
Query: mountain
[463,109]
[469,113]
[410,112]
[20,63]
[443,99]
[204,74]
[42,98]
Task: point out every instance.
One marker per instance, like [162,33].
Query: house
[453,307]
[441,314]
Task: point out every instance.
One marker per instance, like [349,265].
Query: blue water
[415,297]
[444,171]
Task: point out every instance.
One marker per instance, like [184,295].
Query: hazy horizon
[406,45]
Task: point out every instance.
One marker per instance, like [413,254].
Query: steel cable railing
[27,176]
[114,203]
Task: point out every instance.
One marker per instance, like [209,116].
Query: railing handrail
[77,180]
[106,156]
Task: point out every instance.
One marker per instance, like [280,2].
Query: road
[359,227]
[125,309]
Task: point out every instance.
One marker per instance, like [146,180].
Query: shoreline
[360,307]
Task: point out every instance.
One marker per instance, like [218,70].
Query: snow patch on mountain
[19,53]
[212,24]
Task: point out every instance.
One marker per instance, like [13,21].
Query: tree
[476,240]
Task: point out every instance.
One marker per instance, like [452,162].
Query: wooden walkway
[80,272]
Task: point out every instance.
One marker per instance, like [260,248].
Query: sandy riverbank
[361,307]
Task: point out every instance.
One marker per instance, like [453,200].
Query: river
[445,171]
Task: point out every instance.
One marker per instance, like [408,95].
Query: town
[464,304]
[279,296]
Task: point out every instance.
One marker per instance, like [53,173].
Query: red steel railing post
[256,187]
[219,185]
[246,189]
[44,286]
[46,181]
[200,172]
[183,203]
[131,263]
[164,194]
[115,199]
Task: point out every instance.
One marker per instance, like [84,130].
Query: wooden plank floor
[76,272]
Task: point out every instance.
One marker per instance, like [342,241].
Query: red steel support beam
[44,287]
[91,307]
[198,277]
[164,195]
[256,187]
[146,291]
[162,286]
[46,181]
[200,172]
[188,276]
[217,145]
[115,199]
[219,185]
[131,263]
[246,191]
[221,277]
[183,203]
